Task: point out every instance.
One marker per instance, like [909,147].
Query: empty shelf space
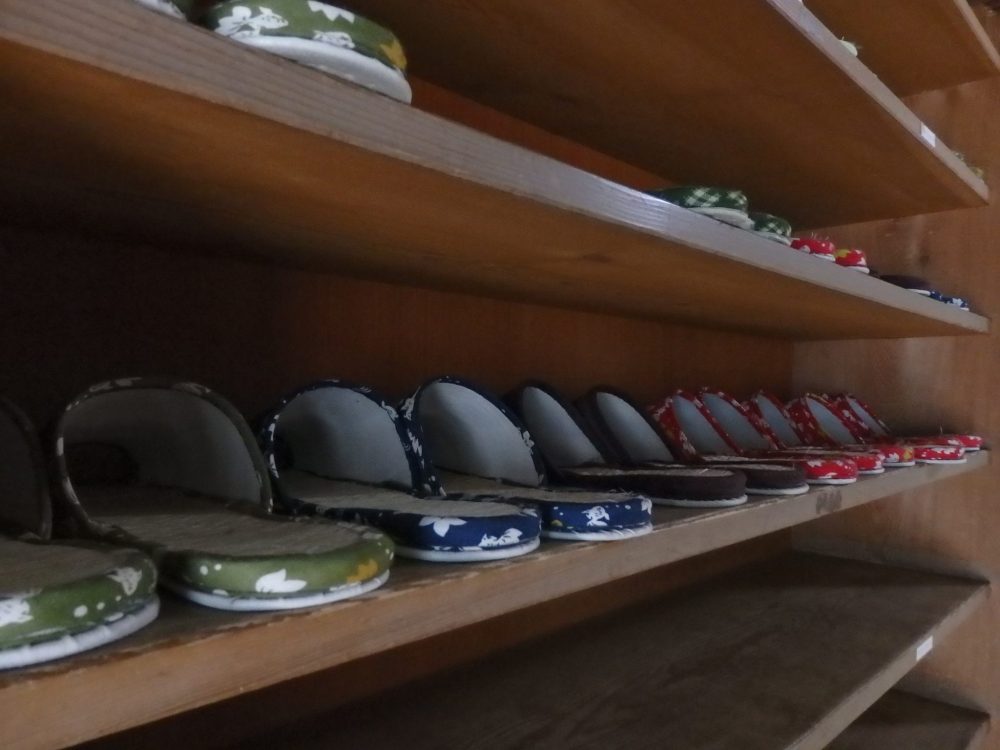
[785,655]
[914,47]
[909,722]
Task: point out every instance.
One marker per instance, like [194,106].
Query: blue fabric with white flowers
[620,511]
[417,529]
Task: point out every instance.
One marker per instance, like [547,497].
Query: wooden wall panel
[921,384]
[78,312]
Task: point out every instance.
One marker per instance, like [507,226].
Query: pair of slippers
[318,34]
[851,258]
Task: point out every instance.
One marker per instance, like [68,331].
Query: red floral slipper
[852,258]
[876,429]
[755,439]
[768,412]
[816,247]
[824,423]
[693,428]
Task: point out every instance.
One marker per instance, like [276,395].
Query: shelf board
[914,47]
[127,124]
[754,95]
[785,655]
[199,656]
[909,722]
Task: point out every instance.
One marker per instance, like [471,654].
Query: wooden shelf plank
[759,96]
[914,47]
[154,139]
[906,721]
[199,656]
[783,656]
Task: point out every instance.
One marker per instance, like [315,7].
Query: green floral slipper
[320,35]
[57,599]
[772,227]
[723,204]
[172,468]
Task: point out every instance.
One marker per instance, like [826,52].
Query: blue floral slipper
[173,469]
[579,455]
[481,448]
[57,599]
[341,450]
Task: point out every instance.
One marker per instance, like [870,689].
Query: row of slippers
[732,207]
[150,482]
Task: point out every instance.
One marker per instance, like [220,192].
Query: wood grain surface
[754,95]
[155,141]
[908,722]
[903,42]
[744,664]
[924,385]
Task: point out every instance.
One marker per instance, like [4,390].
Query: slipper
[772,227]
[57,599]
[320,35]
[852,258]
[816,247]
[757,440]
[876,429]
[768,412]
[691,432]
[719,412]
[478,446]
[576,455]
[823,423]
[923,287]
[173,469]
[341,450]
[722,204]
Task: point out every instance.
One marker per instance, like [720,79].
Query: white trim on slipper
[68,645]
[730,216]
[468,555]
[784,492]
[337,61]
[945,461]
[872,472]
[251,604]
[680,503]
[832,482]
[598,536]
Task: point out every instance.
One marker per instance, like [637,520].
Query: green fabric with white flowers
[48,591]
[233,550]
[307,19]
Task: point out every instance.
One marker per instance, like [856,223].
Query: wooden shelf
[127,124]
[908,722]
[756,95]
[200,656]
[783,656]
[914,47]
